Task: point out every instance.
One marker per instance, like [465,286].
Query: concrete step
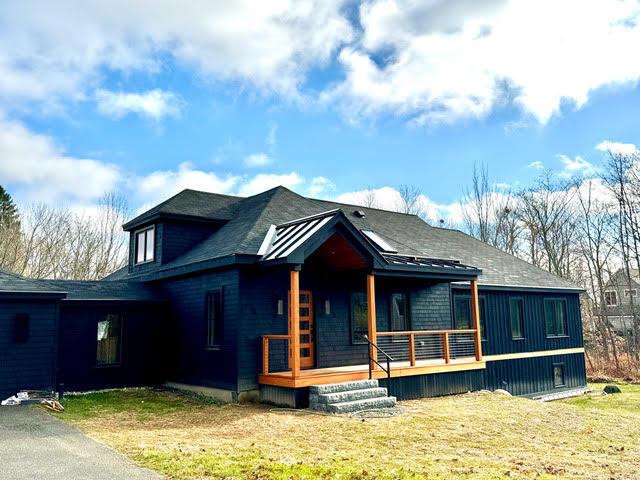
[360,405]
[343,387]
[352,395]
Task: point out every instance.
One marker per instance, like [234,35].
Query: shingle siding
[29,365]
[145,349]
[195,363]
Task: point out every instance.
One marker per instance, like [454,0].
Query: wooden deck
[322,376]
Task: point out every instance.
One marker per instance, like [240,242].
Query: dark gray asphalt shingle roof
[102,290]
[210,206]
[251,217]
[11,282]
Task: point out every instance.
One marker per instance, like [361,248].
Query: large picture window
[145,245]
[400,312]
[516,313]
[214,313]
[555,317]
[462,318]
[109,340]
[359,317]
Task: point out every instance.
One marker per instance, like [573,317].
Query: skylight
[379,242]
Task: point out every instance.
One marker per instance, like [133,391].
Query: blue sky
[327,98]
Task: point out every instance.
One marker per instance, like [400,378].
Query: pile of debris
[34,397]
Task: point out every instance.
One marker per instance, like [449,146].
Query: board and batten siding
[195,363]
[29,365]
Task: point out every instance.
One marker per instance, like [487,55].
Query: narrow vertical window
[462,316]
[359,317]
[21,328]
[516,311]
[400,320]
[109,340]
[145,245]
[555,317]
[214,313]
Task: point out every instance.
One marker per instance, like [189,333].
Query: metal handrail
[371,359]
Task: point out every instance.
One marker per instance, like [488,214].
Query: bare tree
[549,224]
[409,201]
[489,214]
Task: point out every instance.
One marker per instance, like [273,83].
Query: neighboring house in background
[274,293]
[621,300]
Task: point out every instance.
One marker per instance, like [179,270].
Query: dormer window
[145,245]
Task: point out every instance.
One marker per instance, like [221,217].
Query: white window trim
[615,296]
[152,228]
[627,290]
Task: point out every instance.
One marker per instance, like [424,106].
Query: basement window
[558,375]
[145,245]
[109,339]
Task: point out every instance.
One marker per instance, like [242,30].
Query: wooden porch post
[294,323]
[475,313]
[371,317]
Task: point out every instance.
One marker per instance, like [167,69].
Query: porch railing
[372,360]
[265,349]
[416,345]
[411,345]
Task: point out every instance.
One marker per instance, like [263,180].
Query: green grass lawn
[465,436]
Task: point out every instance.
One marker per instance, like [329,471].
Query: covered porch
[329,240]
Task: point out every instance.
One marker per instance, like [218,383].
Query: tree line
[57,242]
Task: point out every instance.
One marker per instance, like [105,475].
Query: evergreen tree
[9,216]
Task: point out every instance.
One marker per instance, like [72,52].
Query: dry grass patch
[466,436]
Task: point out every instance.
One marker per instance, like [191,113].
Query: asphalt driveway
[35,445]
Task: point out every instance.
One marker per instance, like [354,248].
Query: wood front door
[307,331]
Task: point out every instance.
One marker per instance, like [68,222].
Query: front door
[307,330]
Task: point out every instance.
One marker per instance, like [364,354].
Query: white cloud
[153,104]
[388,198]
[38,169]
[618,147]
[537,165]
[574,166]
[320,185]
[266,181]
[257,160]
[61,49]
[160,185]
[445,61]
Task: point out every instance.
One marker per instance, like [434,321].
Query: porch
[391,354]
[409,346]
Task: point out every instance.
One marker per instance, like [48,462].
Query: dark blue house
[271,294]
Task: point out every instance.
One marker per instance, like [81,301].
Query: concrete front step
[360,405]
[351,395]
[343,387]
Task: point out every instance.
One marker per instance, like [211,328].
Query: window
[611,298]
[462,318]
[359,318]
[555,314]
[400,316]
[145,245]
[21,328]
[516,313]
[558,375]
[109,340]
[631,293]
[214,313]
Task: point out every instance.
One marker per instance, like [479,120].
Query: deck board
[323,376]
